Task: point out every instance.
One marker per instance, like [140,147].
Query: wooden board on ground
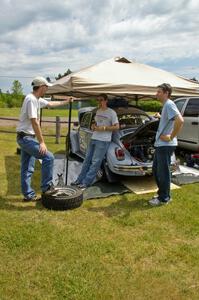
[143,185]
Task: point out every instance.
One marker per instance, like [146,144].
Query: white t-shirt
[106,117]
[30,110]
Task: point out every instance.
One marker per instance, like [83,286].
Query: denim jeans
[161,171]
[92,162]
[29,153]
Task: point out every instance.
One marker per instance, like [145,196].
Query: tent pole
[40,120]
[68,142]
[136,100]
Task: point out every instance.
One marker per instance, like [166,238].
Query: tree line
[13,98]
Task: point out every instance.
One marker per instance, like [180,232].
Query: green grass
[113,248]
[15,111]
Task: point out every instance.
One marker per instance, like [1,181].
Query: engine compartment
[141,144]
[142,150]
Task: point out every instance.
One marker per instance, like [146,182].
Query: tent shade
[121,77]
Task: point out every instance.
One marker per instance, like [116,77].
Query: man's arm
[60,103]
[112,127]
[106,128]
[38,133]
[178,123]
[37,128]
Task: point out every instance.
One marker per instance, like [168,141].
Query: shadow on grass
[19,205]
[12,167]
[123,207]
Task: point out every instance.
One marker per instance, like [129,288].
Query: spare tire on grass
[67,197]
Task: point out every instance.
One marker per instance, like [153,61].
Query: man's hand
[157,115]
[178,123]
[93,126]
[165,138]
[97,128]
[71,99]
[42,148]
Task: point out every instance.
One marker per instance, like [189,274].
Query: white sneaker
[157,202]
[82,186]
[74,183]
[154,202]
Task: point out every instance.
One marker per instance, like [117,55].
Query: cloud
[47,38]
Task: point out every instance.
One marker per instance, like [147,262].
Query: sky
[45,38]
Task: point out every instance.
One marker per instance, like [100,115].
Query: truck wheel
[63,198]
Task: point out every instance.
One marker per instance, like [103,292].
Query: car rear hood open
[146,130]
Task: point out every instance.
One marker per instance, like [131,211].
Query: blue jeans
[161,171]
[92,162]
[29,153]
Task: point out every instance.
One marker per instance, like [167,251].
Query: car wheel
[63,198]
[108,175]
[189,161]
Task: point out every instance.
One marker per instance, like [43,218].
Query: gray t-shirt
[169,112]
[30,110]
[106,117]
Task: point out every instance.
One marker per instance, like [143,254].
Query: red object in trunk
[195,155]
[126,145]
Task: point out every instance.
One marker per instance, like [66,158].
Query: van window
[192,109]
[180,103]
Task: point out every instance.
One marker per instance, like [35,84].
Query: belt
[21,134]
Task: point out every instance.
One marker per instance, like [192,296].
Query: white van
[188,138]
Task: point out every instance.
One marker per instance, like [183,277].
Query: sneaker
[34,198]
[51,190]
[82,186]
[157,202]
[75,183]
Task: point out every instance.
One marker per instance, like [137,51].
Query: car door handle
[194,123]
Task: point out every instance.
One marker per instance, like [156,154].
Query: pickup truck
[188,138]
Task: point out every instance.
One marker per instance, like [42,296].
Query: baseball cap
[39,81]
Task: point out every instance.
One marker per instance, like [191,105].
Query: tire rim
[64,191]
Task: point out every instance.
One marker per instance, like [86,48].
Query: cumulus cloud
[48,37]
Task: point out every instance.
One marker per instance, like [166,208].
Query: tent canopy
[121,77]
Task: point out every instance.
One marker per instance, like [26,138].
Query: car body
[188,138]
[132,147]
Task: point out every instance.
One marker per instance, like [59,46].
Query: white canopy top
[121,77]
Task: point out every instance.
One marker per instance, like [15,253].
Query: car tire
[108,175]
[189,161]
[63,198]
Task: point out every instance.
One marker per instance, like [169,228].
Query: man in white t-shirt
[106,122]
[31,148]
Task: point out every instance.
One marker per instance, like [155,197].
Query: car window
[133,120]
[180,104]
[86,120]
[192,109]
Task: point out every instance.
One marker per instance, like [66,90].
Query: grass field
[113,248]
[15,111]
